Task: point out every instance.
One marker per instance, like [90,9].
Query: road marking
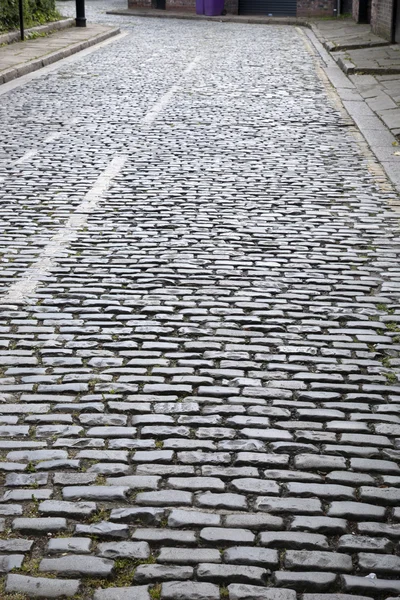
[26,156]
[31,153]
[157,108]
[152,114]
[25,287]
[192,65]
[52,137]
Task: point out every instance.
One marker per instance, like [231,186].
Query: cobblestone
[189,591]
[199,395]
[77,565]
[40,587]
[253,592]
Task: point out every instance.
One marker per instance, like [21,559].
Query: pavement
[384,60]
[20,58]
[200,321]
[346,34]
[370,62]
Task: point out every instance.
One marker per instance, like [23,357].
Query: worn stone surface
[239,591]
[138,592]
[305,580]
[200,388]
[41,526]
[146,573]
[104,529]
[196,555]
[10,562]
[231,573]
[74,545]
[41,587]
[189,591]
[88,566]
[136,550]
[251,556]
[67,509]
[318,561]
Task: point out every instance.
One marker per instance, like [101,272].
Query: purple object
[213,8]
[199,7]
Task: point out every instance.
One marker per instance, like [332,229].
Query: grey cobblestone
[138,592]
[146,573]
[288,539]
[196,555]
[73,545]
[231,573]
[136,550]
[189,591]
[251,556]
[202,388]
[40,587]
[320,561]
[104,529]
[305,580]
[77,565]
[238,591]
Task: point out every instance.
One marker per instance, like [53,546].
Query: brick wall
[189,5]
[139,3]
[315,8]
[382,18]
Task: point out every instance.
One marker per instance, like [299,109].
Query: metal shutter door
[276,8]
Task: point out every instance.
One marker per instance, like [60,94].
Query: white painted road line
[25,287]
[152,114]
[192,65]
[27,156]
[52,137]
[158,107]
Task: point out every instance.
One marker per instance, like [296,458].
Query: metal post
[21,19]
[80,20]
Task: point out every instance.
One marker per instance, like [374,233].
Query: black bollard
[21,19]
[80,20]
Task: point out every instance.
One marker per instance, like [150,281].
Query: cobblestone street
[200,326]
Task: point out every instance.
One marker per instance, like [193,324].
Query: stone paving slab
[380,61]
[382,94]
[20,58]
[345,34]
[374,71]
